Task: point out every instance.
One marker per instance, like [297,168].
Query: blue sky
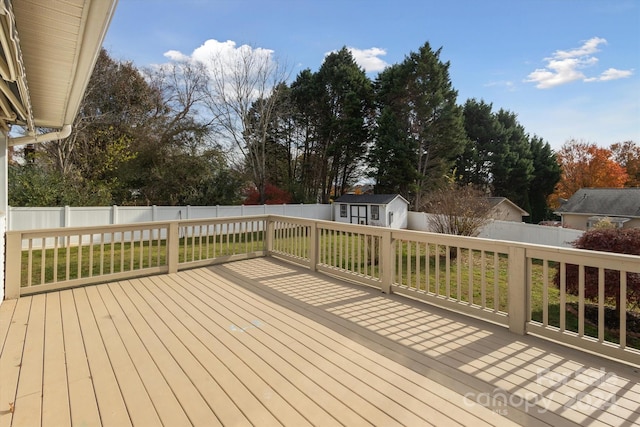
[570,69]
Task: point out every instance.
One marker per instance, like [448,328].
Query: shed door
[359,214]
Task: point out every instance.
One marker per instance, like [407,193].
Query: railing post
[314,245]
[173,246]
[270,235]
[386,262]
[13,265]
[517,290]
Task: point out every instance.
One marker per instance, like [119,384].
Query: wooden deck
[262,342]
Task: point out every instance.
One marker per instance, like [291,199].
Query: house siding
[504,212]
[579,222]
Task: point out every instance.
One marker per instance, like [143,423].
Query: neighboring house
[588,206]
[384,210]
[504,209]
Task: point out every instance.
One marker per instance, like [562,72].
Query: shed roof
[623,202]
[370,199]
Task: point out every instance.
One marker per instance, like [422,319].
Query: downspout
[64,132]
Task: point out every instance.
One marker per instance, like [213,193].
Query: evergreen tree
[420,95]
[482,128]
[344,119]
[546,174]
[511,161]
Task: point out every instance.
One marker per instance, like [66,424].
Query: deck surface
[262,342]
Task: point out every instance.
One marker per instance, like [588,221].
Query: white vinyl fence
[20,218]
[510,231]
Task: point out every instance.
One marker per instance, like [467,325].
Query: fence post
[314,245]
[13,259]
[173,246]
[386,262]
[517,290]
[66,220]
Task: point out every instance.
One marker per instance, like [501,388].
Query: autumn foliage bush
[272,194]
[623,241]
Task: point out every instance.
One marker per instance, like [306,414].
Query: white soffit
[59,43]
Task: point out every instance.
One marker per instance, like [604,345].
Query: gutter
[64,132]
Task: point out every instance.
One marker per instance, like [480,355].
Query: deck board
[55,404]
[5,320]
[28,396]
[83,406]
[11,358]
[190,400]
[261,339]
[309,342]
[109,398]
[159,392]
[236,376]
[216,382]
[263,342]
[274,376]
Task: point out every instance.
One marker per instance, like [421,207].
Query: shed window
[343,211]
[375,212]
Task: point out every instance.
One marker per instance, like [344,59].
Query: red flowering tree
[272,195]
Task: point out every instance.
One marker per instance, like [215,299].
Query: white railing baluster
[601,304]
[623,310]
[581,300]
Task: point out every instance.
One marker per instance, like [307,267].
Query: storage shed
[383,210]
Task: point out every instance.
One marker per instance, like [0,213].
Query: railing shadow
[524,378]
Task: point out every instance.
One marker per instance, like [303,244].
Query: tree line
[237,129]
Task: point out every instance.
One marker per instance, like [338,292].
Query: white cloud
[589,47]
[507,84]
[611,74]
[565,66]
[175,55]
[368,59]
[226,51]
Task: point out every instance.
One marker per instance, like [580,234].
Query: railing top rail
[609,260]
[136,226]
[221,220]
[92,229]
[451,240]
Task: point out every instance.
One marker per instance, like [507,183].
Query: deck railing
[542,290]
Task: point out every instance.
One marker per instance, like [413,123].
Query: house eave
[54,47]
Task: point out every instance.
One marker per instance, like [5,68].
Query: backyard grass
[73,262]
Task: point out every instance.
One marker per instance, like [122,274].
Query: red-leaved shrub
[623,241]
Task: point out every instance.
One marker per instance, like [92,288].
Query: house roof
[370,199]
[622,202]
[49,50]
[495,201]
